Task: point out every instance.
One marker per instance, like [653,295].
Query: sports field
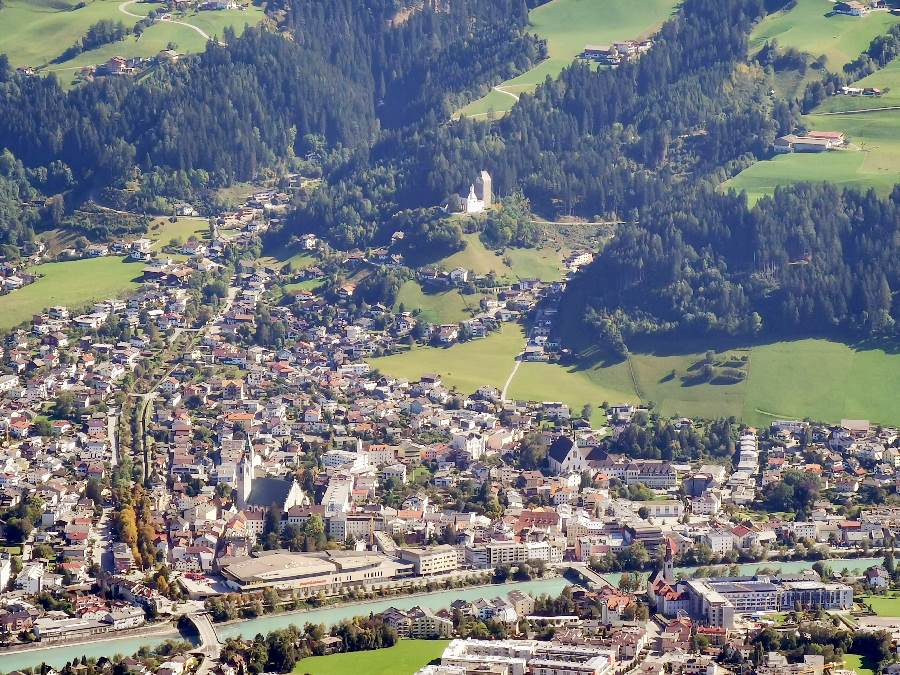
[569,25]
[404,658]
[73,284]
[812,27]
[466,366]
[35,32]
[873,159]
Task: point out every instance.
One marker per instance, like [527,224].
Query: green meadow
[792,379]
[810,26]
[884,605]
[35,32]
[544,263]
[855,662]
[569,25]
[887,79]
[466,366]
[872,160]
[404,658]
[444,307]
[74,284]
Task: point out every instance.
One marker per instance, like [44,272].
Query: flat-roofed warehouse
[329,572]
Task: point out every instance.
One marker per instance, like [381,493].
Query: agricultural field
[162,232]
[790,379]
[887,79]
[74,284]
[35,32]
[569,25]
[404,658]
[873,159]
[544,263]
[444,307]
[810,26]
[466,366]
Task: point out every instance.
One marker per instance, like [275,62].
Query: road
[101,552]
[510,378]
[210,646]
[122,8]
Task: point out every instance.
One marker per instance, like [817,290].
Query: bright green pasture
[74,284]
[569,25]
[466,366]
[812,27]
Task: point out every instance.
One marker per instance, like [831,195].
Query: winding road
[124,10]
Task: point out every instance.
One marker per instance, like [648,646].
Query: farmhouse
[851,8]
[819,143]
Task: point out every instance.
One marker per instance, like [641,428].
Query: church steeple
[668,567]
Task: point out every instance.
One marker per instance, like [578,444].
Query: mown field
[73,284]
[855,662]
[817,378]
[36,32]
[873,159]
[445,307]
[404,658]
[810,26]
[162,232]
[569,25]
[884,605]
[544,263]
[466,366]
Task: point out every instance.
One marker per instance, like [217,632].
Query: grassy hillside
[444,307]
[35,32]
[569,25]
[466,366]
[873,159]
[887,79]
[811,27]
[73,284]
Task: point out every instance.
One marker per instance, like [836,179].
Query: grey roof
[269,491]
[560,448]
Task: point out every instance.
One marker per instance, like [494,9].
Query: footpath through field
[122,8]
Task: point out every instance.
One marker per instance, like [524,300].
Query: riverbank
[165,630]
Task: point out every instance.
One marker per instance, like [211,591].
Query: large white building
[518,657]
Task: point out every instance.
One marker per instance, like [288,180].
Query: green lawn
[569,25]
[884,605]
[34,32]
[444,307]
[855,662]
[810,27]
[873,160]
[161,231]
[404,658]
[74,284]
[306,285]
[466,366]
[544,263]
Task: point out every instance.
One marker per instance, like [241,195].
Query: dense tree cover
[428,233]
[592,142]
[659,439]
[811,257]
[511,223]
[796,492]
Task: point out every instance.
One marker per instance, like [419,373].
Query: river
[60,655]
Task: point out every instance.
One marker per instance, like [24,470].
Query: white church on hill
[480,194]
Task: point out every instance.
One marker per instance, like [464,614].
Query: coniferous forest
[374,83]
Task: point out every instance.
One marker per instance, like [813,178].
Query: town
[208,449]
